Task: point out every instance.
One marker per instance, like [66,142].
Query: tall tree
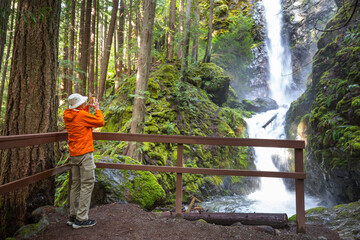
[195,47]
[106,56]
[120,37]
[92,50]
[170,40]
[129,48]
[72,46]
[7,58]
[181,28]
[4,17]
[185,46]
[31,108]
[66,68]
[144,63]
[207,56]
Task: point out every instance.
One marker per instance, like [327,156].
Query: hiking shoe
[71,221]
[83,224]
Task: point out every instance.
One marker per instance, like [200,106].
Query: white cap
[76,100]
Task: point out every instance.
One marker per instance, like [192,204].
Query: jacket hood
[70,114]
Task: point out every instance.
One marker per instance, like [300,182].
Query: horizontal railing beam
[15,141]
[252,142]
[11,186]
[43,138]
[207,171]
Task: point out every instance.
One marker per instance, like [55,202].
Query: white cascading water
[272,196]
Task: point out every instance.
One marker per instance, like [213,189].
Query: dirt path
[128,221]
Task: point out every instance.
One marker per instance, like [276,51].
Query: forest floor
[129,221]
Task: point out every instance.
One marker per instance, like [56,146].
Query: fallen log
[275,220]
[268,122]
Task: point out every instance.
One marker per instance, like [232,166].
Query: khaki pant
[83,180]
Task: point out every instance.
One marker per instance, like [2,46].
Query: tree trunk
[92,50]
[195,47]
[97,48]
[171,34]
[129,37]
[66,56]
[185,47]
[276,220]
[7,58]
[31,108]
[4,17]
[105,58]
[207,56]
[81,73]
[120,37]
[69,89]
[181,28]
[144,62]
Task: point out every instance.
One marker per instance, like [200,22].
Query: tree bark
[181,29]
[105,58]
[276,220]
[120,46]
[144,62]
[69,89]
[66,55]
[31,108]
[129,37]
[195,47]
[171,34]
[207,56]
[185,47]
[4,17]
[7,58]
[92,50]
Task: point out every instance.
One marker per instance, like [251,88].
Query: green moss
[146,190]
[315,210]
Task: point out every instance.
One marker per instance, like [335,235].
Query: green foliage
[232,50]
[352,36]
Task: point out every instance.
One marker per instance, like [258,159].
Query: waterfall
[272,196]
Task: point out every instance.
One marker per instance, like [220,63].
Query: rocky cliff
[331,124]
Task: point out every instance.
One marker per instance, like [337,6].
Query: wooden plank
[24,140]
[276,220]
[11,186]
[179,162]
[207,171]
[300,193]
[276,143]
[42,138]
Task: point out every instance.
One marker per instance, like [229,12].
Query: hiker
[79,123]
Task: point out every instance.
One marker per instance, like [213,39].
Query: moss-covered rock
[176,108]
[332,123]
[344,219]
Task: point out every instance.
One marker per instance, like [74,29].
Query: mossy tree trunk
[207,56]
[170,41]
[3,29]
[144,62]
[185,47]
[31,108]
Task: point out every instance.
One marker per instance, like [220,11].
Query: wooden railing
[298,146]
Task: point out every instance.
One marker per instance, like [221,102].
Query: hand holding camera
[94,102]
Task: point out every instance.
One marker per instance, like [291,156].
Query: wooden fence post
[178,206]
[300,192]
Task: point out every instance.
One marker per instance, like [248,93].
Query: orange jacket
[79,124]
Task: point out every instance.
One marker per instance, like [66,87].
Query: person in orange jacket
[79,123]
